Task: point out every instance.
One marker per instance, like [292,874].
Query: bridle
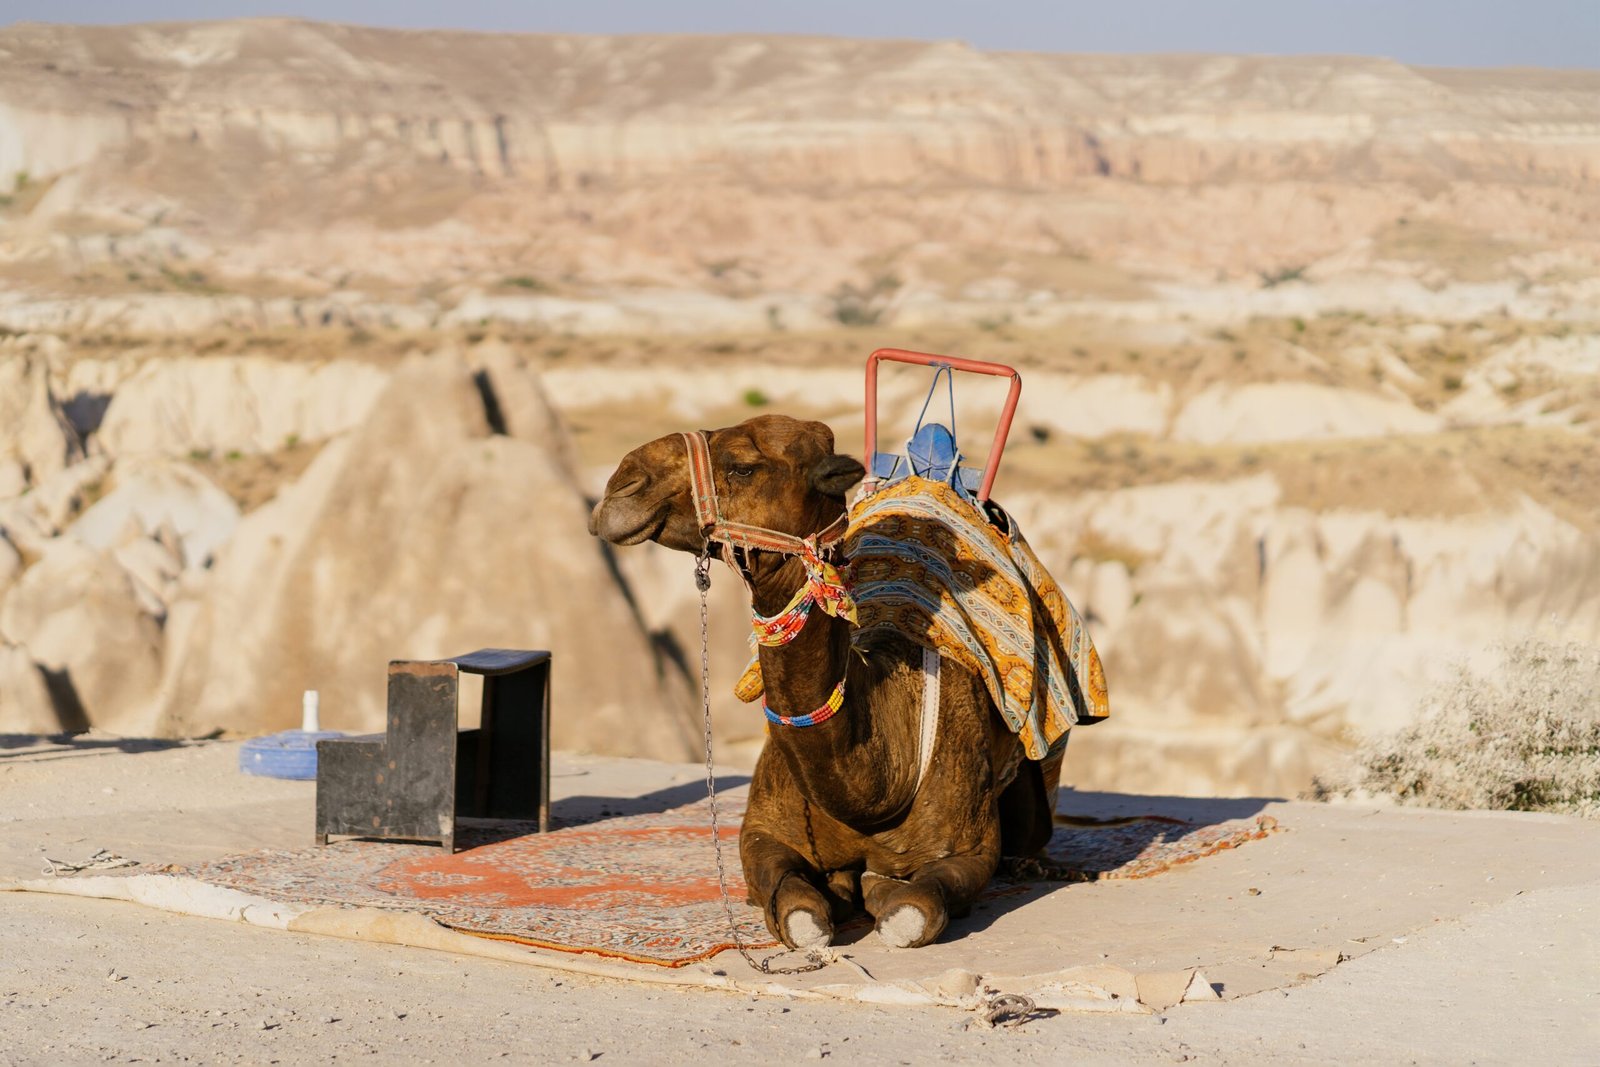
[734,537]
[824,583]
[715,527]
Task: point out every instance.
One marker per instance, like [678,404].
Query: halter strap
[702,480]
[713,527]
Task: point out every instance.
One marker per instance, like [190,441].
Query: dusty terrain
[1472,937]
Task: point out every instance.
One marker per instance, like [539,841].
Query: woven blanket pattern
[926,564]
[1139,847]
[637,887]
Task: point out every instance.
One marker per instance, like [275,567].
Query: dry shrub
[1525,739]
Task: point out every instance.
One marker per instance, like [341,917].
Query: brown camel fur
[836,821]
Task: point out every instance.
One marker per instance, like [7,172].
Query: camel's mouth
[606,524]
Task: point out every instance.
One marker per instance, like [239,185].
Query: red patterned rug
[638,887]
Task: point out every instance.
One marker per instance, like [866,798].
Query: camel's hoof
[804,931]
[907,927]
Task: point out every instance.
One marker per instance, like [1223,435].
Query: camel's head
[771,471]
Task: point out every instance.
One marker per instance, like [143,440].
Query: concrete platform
[1488,923]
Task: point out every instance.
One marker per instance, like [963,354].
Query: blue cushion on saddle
[932,452]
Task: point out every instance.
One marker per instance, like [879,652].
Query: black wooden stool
[414,781]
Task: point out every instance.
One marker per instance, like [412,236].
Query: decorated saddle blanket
[923,562]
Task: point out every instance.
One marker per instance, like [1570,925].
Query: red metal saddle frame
[974,366]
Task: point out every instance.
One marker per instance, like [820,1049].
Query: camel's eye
[742,470]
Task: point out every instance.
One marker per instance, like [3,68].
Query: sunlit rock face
[235,173]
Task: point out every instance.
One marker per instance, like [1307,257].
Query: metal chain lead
[816,960]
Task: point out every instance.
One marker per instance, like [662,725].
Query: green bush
[854,306]
[1525,739]
[1271,279]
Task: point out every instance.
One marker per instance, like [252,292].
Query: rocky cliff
[565,111]
[277,159]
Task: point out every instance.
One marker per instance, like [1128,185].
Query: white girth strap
[929,734]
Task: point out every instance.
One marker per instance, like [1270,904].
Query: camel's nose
[626,483]
[623,484]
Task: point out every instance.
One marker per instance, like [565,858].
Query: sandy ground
[1475,937]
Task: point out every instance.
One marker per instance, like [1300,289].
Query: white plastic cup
[310,712]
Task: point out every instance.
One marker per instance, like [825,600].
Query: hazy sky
[1547,33]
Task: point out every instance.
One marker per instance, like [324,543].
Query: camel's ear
[836,474]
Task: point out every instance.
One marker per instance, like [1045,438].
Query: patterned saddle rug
[925,563]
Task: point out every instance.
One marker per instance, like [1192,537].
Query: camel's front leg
[914,911]
[784,886]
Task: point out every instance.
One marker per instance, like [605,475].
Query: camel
[839,817]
